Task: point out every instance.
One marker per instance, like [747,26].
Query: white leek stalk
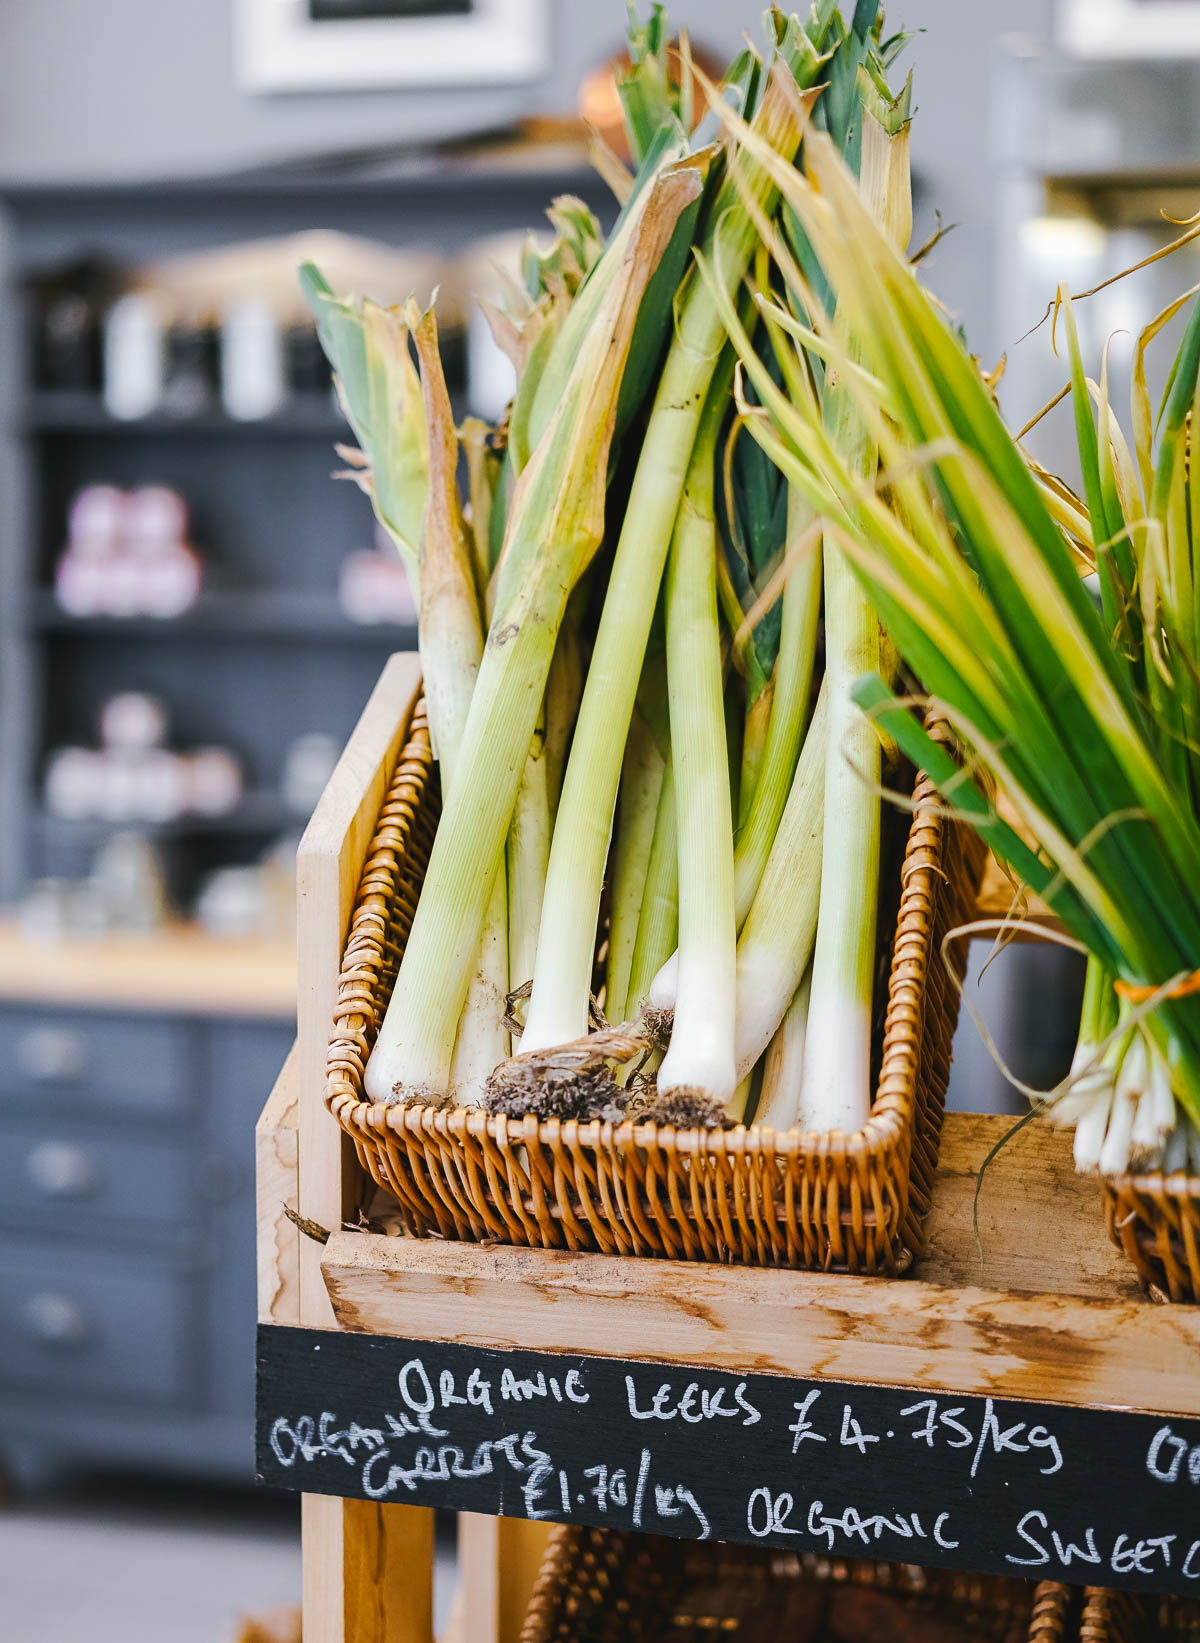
[783,1065]
[776,943]
[451,641]
[699,1060]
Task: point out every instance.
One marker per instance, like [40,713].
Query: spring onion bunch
[639,741]
[1083,714]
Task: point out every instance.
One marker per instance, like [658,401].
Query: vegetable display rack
[1015,1405]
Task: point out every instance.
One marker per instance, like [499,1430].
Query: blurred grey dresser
[131,1074]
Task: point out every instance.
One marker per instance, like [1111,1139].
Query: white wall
[130,88]
[111,89]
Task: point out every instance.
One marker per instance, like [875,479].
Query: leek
[558,1011]
[776,944]
[835,1092]
[555,525]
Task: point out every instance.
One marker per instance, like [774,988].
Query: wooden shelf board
[180,970]
[1052,1316]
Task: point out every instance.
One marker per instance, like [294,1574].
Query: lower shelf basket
[846,1202]
[597,1586]
[1155,1219]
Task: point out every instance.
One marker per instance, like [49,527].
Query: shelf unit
[274,613]
[1031,1304]
[159,1048]
[271,525]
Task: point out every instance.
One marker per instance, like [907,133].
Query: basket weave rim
[1157,1184]
[752,1140]
[888,1125]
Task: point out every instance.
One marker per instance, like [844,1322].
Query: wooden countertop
[180,970]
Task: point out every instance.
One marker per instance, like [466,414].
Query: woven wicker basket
[598,1586]
[1117,1617]
[843,1202]
[1155,1219]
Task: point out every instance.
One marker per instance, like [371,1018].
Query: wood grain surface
[181,970]
[368,1569]
[277,1187]
[1068,1326]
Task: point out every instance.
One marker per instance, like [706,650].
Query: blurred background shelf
[262,812]
[62,412]
[253,614]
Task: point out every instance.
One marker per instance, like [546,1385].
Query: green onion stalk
[835,1091]
[979,587]
[555,524]
[558,1011]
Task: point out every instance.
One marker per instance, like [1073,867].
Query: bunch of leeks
[619,631]
[1082,712]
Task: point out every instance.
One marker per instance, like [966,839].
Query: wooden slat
[1031,1185]
[1063,1338]
[328,863]
[180,969]
[277,1185]
[499,1561]
[368,1570]
[387,1572]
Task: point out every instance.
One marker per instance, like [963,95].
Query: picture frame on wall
[1115,29]
[343,45]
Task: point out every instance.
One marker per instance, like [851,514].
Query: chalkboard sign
[1043,1491]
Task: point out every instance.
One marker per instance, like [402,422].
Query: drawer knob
[56,1320]
[59,1170]
[52,1054]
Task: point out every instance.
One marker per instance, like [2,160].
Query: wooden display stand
[1041,1308]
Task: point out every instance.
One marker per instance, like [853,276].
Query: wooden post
[368,1570]
[498,1560]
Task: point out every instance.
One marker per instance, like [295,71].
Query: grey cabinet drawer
[75,1061]
[55,1176]
[104,1326]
